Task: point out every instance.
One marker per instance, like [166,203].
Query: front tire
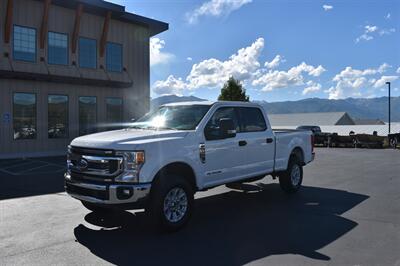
[171,203]
[290,180]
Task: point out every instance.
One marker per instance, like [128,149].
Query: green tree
[233,91]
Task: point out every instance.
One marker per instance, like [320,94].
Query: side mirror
[227,128]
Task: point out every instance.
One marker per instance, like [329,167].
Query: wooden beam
[45,23]
[9,19]
[75,34]
[104,35]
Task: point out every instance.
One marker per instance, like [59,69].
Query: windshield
[184,117]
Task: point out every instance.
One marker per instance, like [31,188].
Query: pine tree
[233,91]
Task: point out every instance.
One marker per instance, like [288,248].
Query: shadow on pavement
[31,177]
[232,228]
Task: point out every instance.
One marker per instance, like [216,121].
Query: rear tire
[171,203]
[291,179]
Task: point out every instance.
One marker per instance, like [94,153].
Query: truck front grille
[93,163]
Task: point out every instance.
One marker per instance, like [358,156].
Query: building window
[114,113]
[24,115]
[24,44]
[57,48]
[87,53]
[114,57]
[57,116]
[87,115]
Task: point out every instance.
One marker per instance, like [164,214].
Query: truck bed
[285,138]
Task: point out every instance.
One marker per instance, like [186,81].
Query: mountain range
[357,108]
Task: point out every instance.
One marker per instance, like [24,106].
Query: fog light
[124,193]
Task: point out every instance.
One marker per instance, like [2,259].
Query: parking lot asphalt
[347,213]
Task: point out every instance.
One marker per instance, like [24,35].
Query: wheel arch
[180,169]
[299,153]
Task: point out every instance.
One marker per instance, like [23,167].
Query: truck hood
[125,139]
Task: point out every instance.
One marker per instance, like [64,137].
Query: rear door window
[252,119]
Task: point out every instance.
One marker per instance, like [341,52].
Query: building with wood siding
[69,68]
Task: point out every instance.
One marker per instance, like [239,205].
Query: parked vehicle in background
[314,129]
[320,138]
[368,141]
[394,140]
[169,154]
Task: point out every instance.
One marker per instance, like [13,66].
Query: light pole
[388,83]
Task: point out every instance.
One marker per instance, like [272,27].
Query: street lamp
[388,83]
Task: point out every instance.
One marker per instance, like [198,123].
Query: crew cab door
[260,141]
[223,156]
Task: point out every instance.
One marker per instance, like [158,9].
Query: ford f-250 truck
[162,159]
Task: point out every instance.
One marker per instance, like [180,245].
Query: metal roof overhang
[6,74]
[100,7]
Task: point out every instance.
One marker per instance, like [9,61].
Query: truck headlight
[133,162]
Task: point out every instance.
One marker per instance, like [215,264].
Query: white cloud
[388,16]
[293,77]
[398,70]
[349,81]
[311,87]
[373,31]
[215,8]
[156,55]
[212,73]
[327,7]
[189,58]
[171,85]
[387,31]
[364,37]
[382,81]
[370,28]
[275,62]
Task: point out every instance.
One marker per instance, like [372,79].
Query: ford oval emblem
[82,164]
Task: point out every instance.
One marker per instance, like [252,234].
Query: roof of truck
[236,103]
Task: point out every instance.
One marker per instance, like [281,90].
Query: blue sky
[280,50]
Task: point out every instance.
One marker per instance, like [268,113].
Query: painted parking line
[23,167]
[63,164]
[24,162]
[27,166]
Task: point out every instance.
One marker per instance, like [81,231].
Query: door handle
[242,143]
[270,140]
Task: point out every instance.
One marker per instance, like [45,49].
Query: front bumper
[113,194]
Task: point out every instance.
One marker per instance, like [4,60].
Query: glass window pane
[252,119]
[87,53]
[114,110]
[114,57]
[212,131]
[24,44]
[57,116]
[57,48]
[24,115]
[87,115]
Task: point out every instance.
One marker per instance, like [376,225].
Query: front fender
[159,156]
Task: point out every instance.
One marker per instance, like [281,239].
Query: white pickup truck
[162,159]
